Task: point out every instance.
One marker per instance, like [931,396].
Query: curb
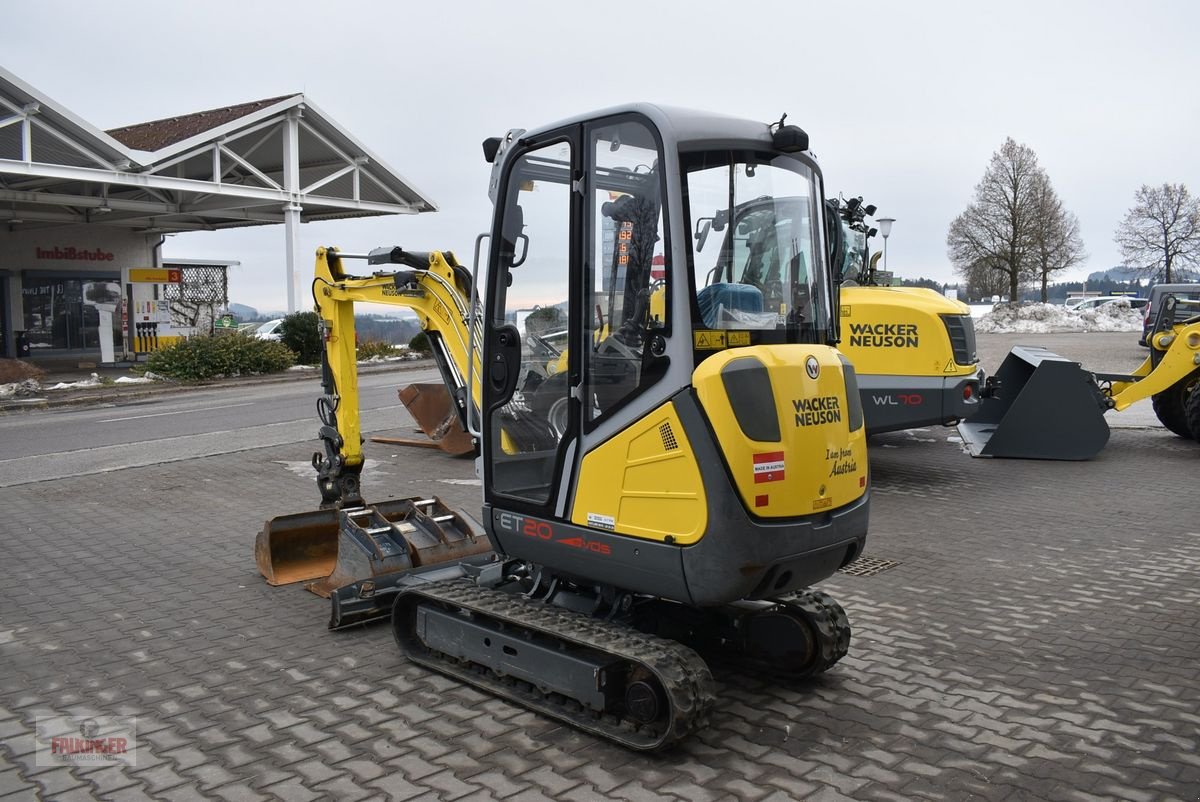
[104,394]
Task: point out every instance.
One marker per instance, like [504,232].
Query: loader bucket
[437,415]
[341,547]
[1044,407]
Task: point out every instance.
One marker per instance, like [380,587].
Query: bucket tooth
[1044,407]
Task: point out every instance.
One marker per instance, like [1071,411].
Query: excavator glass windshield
[755,253]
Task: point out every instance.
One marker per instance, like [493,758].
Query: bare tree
[983,281]
[1057,244]
[997,230]
[1161,233]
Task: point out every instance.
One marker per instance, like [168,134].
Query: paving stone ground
[1039,639]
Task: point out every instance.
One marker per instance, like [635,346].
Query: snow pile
[95,381]
[403,356]
[21,389]
[1046,318]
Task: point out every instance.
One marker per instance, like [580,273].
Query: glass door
[529,413]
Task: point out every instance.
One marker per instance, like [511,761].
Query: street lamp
[885,228]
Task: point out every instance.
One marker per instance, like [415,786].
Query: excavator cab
[664,336]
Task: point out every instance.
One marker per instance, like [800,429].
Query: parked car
[1187,295]
[269,330]
[1105,300]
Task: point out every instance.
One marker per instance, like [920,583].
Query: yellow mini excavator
[664,487]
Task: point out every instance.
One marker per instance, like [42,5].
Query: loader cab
[655,238]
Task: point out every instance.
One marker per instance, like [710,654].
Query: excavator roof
[689,129]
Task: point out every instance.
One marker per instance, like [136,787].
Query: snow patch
[1033,318]
[94,381]
[146,378]
[408,356]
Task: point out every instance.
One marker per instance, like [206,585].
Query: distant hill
[1118,273]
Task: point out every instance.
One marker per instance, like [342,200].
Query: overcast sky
[904,102]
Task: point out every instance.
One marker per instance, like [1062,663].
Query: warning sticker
[708,340]
[736,338]
[845,311]
[949,367]
[768,467]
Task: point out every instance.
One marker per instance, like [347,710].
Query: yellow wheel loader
[914,353]
[668,490]
[913,350]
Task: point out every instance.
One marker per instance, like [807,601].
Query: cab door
[531,326]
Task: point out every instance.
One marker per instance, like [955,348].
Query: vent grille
[868,566]
[961,330]
[668,437]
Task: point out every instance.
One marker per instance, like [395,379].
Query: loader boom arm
[1174,355]
[431,284]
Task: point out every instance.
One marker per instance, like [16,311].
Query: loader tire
[1172,405]
[1191,412]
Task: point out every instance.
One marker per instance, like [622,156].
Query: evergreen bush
[420,344]
[372,348]
[212,357]
[301,332]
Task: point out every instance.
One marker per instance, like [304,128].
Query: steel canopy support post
[291,212]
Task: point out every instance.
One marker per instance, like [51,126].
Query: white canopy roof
[240,165]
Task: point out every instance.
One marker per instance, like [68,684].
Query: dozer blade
[436,413]
[1044,407]
[343,547]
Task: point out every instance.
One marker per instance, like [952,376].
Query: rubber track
[683,674]
[831,625]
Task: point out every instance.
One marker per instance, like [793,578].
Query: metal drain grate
[868,566]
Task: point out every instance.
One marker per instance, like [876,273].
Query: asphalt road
[64,442]
[68,441]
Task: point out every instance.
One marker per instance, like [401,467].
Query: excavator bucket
[339,548]
[1043,406]
[436,413]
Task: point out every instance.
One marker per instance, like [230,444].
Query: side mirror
[703,226]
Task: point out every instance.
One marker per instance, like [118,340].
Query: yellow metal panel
[899,331]
[818,464]
[644,482]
